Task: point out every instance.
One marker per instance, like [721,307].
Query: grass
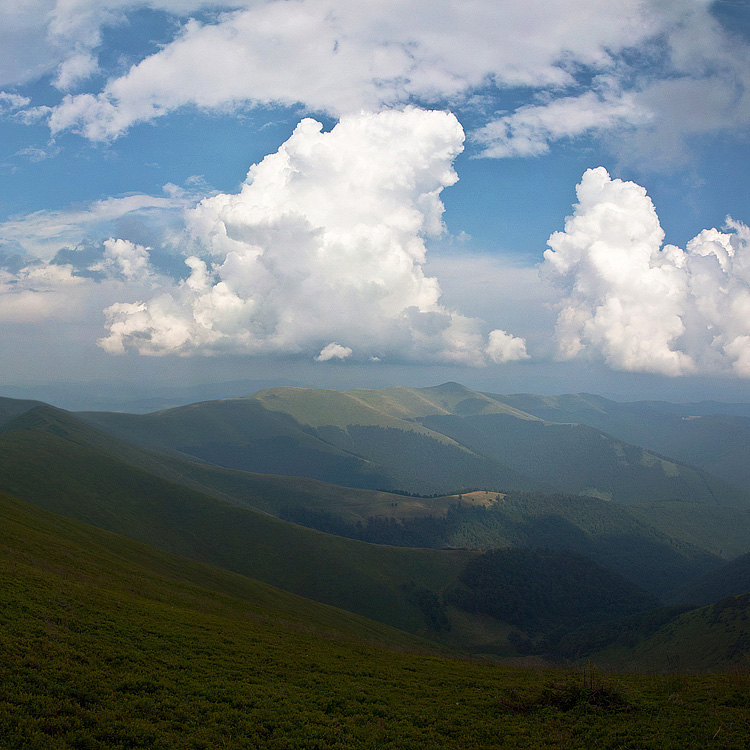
[703,639]
[106,643]
[82,484]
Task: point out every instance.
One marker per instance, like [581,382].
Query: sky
[204,197]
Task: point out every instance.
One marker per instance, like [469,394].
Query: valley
[325,521]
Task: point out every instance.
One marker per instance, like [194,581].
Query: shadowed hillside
[59,475]
[710,435]
[110,644]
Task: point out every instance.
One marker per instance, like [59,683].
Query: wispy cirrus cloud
[533,128]
[43,233]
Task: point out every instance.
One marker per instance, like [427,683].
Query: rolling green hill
[109,644]
[77,481]
[85,466]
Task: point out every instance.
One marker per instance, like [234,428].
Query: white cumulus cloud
[503,347]
[644,306]
[333,351]
[324,243]
[126,259]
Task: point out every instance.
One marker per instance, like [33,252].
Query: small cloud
[74,70]
[503,347]
[35,155]
[125,259]
[333,351]
[10,102]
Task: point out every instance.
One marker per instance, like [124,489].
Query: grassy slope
[731,579]
[85,558]
[81,483]
[712,638]
[724,531]
[107,644]
[391,407]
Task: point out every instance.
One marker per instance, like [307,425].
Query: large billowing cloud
[644,306]
[321,252]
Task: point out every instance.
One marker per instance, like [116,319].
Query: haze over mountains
[425,441]
[389,503]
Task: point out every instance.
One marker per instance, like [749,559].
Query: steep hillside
[78,555]
[108,644]
[731,579]
[81,483]
[712,638]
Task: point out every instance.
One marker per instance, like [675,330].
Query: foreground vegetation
[107,643]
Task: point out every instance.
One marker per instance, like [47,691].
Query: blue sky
[547,196]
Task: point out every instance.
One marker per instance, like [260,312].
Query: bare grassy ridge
[421,440]
[106,643]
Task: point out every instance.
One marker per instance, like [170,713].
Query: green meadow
[108,643]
